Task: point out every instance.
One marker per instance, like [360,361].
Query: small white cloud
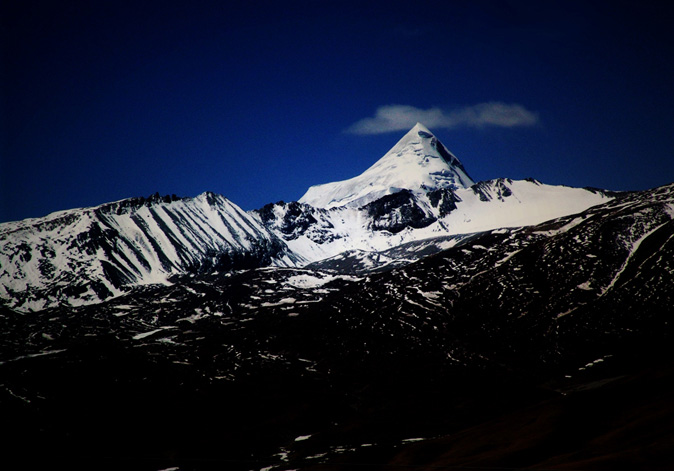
[402,117]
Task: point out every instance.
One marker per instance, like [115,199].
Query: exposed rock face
[444,199]
[396,212]
[296,218]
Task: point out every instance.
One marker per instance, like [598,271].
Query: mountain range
[416,192]
[407,317]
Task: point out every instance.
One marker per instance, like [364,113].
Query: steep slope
[418,162]
[86,255]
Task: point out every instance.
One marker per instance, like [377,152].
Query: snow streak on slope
[417,162]
[89,254]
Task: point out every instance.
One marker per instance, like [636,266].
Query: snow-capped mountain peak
[86,255]
[419,161]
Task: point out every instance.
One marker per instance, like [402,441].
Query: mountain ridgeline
[417,191]
[406,317]
[87,255]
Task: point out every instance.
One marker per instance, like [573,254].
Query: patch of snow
[669,209]
[306,280]
[34,355]
[193,318]
[147,334]
[585,286]
[562,314]
[309,281]
[280,302]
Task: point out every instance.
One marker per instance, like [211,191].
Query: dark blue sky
[261,100]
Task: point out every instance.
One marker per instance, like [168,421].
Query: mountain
[418,194]
[540,347]
[409,317]
[408,216]
[417,191]
[88,255]
[419,161]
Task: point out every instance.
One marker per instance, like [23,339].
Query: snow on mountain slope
[417,190]
[316,234]
[85,255]
[511,203]
[417,162]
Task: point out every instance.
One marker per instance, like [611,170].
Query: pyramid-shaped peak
[417,131]
[414,136]
[420,128]
[418,162]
